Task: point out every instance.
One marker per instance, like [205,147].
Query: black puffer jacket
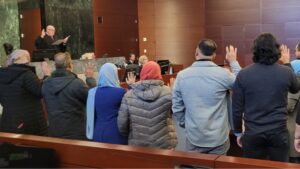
[65,97]
[20,96]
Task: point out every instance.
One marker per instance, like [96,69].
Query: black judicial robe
[47,41]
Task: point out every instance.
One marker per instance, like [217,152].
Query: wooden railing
[73,153]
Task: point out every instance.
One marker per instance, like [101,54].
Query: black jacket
[65,97]
[20,96]
[46,43]
[260,93]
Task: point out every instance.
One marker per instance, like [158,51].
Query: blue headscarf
[108,77]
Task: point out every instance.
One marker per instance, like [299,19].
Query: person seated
[65,96]
[142,60]
[132,59]
[102,107]
[145,112]
[47,38]
[20,96]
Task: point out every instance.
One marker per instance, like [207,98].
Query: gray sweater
[145,115]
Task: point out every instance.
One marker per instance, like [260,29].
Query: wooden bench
[237,162]
[73,153]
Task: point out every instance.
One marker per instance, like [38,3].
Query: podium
[41,54]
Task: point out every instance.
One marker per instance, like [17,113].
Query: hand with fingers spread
[231,53]
[46,69]
[285,54]
[89,70]
[43,33]
[130,78]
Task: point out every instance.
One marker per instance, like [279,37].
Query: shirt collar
[204,64]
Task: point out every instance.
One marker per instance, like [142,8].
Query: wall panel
[173,29]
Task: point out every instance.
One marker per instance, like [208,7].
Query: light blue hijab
[108,77]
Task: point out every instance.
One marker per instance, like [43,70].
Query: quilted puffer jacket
[145,116]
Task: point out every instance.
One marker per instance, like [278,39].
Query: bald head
[63,61]
[50,30]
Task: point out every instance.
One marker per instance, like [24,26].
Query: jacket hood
[56,84]
[11,73]
[148,90]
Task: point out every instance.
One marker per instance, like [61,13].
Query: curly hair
[266,50]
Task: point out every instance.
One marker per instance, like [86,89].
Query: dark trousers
[270,145]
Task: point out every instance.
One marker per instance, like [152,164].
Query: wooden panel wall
[30,27]
[172,28]
[238,22]
[118,34]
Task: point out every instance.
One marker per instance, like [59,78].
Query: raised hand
[89,70]
[46,69]
[231,53]
[285,54]
[130,78]
[43,33]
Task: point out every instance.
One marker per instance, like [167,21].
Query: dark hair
[131,53]
[8,48]
[266,50]
[298,47]
[207,47]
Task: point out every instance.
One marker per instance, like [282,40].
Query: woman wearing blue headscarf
[103,104]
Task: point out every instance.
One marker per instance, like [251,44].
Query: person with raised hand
[260,98]
[65,97]
[145,112]
[102,107]
[20,96]
[201,100]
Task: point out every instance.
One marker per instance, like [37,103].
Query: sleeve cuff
[238,134]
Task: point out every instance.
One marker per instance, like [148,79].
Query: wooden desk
[167,77]
[176,68]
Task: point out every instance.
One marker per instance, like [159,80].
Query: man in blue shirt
[201,97]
